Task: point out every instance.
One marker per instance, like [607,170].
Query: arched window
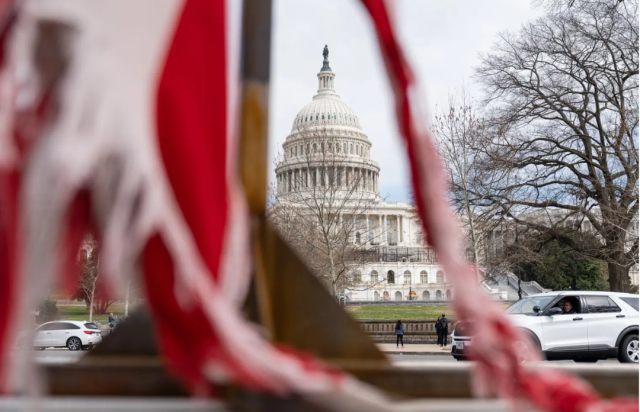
[440,277]
[388,237]
[344,146]
[357,238]
[351,148]
[370,237]
[374,276]
[424,278]
[322,147]
[296,150]
[449,294]
[391,277]
[385,295]
[407,277]
[426,295]
[315,148]
[376,296]
[398,295]
[357,277]
[301,150]
[438,295]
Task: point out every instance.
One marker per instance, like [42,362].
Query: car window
[613,306]
[66,326]
[601,304]
[575,304]
[633,302]
[55,326]
[525,306]
[46,326]
[91,326]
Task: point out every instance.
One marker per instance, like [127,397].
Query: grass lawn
[402,312]
[79,312]
[399,312]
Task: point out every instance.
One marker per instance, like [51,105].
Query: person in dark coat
[112,322]
[438,331]
[399,333]
[444,329]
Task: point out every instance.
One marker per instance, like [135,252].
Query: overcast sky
[442,39]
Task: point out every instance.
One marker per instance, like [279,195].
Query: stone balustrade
[416,331]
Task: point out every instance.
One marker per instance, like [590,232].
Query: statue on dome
[325,52]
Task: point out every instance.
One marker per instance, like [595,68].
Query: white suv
[600,325]
[71,334]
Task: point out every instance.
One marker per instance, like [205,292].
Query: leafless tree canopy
[563,101]
[459,129]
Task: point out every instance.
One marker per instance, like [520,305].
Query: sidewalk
[415,349]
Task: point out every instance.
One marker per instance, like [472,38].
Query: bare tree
[563,99]
[320,209]
[89,274]
[459,130]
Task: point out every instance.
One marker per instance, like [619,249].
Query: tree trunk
[91,306]
[618,278]
[126,299]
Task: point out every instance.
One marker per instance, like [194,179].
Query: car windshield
[525,306]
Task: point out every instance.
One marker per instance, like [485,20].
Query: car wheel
[74,344]
[585,360]
[628,351]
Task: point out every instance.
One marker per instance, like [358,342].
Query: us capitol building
[325,129]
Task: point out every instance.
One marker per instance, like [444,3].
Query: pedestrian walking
[399,333]
[444,329]
[112,322]
[439,331]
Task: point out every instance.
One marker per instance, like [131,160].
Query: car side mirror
[536,309]
[554,311]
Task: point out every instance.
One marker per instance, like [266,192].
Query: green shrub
[48,311]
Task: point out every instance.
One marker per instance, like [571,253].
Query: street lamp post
[518,268]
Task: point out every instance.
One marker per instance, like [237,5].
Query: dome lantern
[326,76]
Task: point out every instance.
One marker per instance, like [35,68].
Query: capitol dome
[326,109]
[327,137]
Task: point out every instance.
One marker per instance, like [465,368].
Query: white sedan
[74,335]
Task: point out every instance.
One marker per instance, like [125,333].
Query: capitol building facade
[328,152]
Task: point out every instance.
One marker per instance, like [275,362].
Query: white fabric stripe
[235,262]
[100,93]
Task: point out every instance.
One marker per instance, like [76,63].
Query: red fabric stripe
[191,127]
[9,180]
[552,391]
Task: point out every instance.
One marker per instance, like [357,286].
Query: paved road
[416,359]
[67,356]
[56,355]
